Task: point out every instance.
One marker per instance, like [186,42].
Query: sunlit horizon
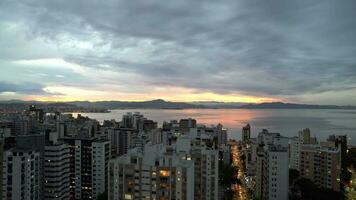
[218,98]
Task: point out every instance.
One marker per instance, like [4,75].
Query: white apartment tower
[154,175]
[179,171]
[21,175]
[294,146]
[272,171]
[100,159]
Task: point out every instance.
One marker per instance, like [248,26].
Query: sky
[233,50]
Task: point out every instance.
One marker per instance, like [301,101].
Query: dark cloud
[27,88]
[275,48]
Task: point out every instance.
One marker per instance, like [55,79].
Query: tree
[226,174]
[103,196]
[310,191]
[243,159]
[293,175]
[351,158]
[345,176]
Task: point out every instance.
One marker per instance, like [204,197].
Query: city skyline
[235,51]
[47,154]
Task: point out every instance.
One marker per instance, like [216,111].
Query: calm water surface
[286,121]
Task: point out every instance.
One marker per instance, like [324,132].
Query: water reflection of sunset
[228,118]
[288,122]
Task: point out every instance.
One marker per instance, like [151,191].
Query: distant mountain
[161,104]
[281,105]
[103,106]
[19,106]
[154,104]
[218,105]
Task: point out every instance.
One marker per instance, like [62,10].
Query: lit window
[164,173]
[128,196]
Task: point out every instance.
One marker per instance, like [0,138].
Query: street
[240,191]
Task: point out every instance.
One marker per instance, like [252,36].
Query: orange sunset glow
[175,94]
[189,97]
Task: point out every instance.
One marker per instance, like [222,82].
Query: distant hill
[218,105]
[281,105]
[19,106]
[102,106]
[154,104]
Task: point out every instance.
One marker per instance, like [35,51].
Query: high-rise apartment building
[294,148]
[34,142]
[321,165]
[251,156]
[21,175]
[88,166]
[340,141]
[246,133]
[186,124]
[149,176]
[295,144]
[221,135]
[182,170]
[272,172]
[56,170]
[1,163]
[132,120]
[305,137]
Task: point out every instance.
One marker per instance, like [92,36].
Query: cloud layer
[299,51]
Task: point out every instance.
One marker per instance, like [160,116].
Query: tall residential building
[322,165]
[206,174]
[56,170]
[122,139]
[34,142]
[149,125]
[251,156]
[88,166]
[186,124]
[5,131]
[246,133]
[305,137]
[221,135]
[144,176]
[21,175]
[183,170]
[34,117]
[272,171]
[294,147]
[36,113]
[133,120]
[7,128]
[1,163]
[295,143]
[100,157]
[340,141]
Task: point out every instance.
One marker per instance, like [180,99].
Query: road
[240,191]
